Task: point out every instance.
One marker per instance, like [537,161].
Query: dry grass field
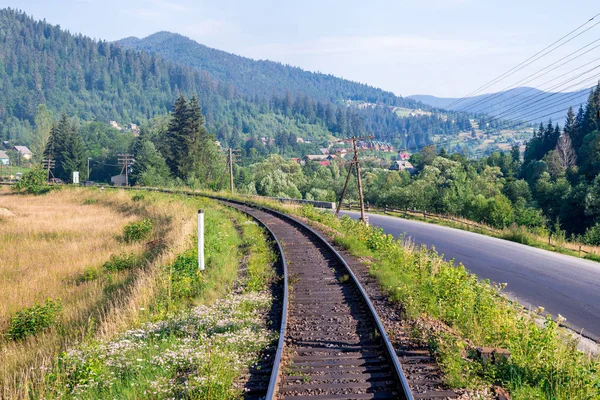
[54,247]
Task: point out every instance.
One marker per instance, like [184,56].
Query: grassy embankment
[544,361]
[134,271]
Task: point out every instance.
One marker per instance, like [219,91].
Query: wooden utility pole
[354,162]
[48,165]
[339,206]
[360,190]
[231,188]
[125,160]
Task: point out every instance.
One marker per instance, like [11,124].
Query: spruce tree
[591,122]
[74,153]
[570,124]
[175,146]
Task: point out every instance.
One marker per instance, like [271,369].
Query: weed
[32,320]
[121,262]
[89,202]
[138,197]
[89,274]
[137,231]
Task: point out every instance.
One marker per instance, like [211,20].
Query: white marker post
[201,240]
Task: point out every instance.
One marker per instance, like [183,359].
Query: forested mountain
[261,77]
[521,104]
[98,81]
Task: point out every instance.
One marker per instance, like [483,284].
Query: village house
[401,165]
[402,155]
[317,157]
[4,160]
[24,152]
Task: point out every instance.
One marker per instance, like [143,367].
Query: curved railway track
[332,343]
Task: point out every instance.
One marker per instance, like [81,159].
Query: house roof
[325,163]
[316,157]
[3,155]
[23,150]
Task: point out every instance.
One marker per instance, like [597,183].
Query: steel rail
[388,345]
[272,388]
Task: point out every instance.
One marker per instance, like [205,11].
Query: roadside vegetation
[455,314]
[88,270]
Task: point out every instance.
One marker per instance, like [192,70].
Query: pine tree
[174,147]
[59,146]
[570,124]
[74,153]
[591,122]
[577,137]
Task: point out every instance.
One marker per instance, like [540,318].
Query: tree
[150,168]
[175,140]
[43,126]
[564,149]
[32,182]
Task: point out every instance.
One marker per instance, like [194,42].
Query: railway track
[333,345]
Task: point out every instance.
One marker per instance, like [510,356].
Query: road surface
[562,284]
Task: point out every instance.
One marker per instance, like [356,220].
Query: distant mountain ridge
[261,77]
[522,103]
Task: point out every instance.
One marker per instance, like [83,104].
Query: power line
[525,81]
[546,95]
[529,60]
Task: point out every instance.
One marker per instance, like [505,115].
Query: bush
[89,274]
[592,235]
[185,277]
[137,231]
[121,263]
[32,320]
[33,182]
[138,197]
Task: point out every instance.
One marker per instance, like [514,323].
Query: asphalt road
[562,284]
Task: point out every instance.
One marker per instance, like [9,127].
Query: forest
[98,81]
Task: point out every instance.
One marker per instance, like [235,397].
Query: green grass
[544,362]
[197,337]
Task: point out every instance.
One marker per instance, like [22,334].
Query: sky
[446,48]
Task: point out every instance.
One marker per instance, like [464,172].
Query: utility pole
[125,160]
[231,171]
[48,165]
[88,174]
[339,206]
[360,190]
[353,163]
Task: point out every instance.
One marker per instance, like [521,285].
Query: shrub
[138,197]
[32,320]
[121,263]
[33,182]
[185,277]
[89,274]
[592,235]
[137,231]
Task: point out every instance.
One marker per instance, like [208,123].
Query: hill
[99,81]
[522,103]
[261,77]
